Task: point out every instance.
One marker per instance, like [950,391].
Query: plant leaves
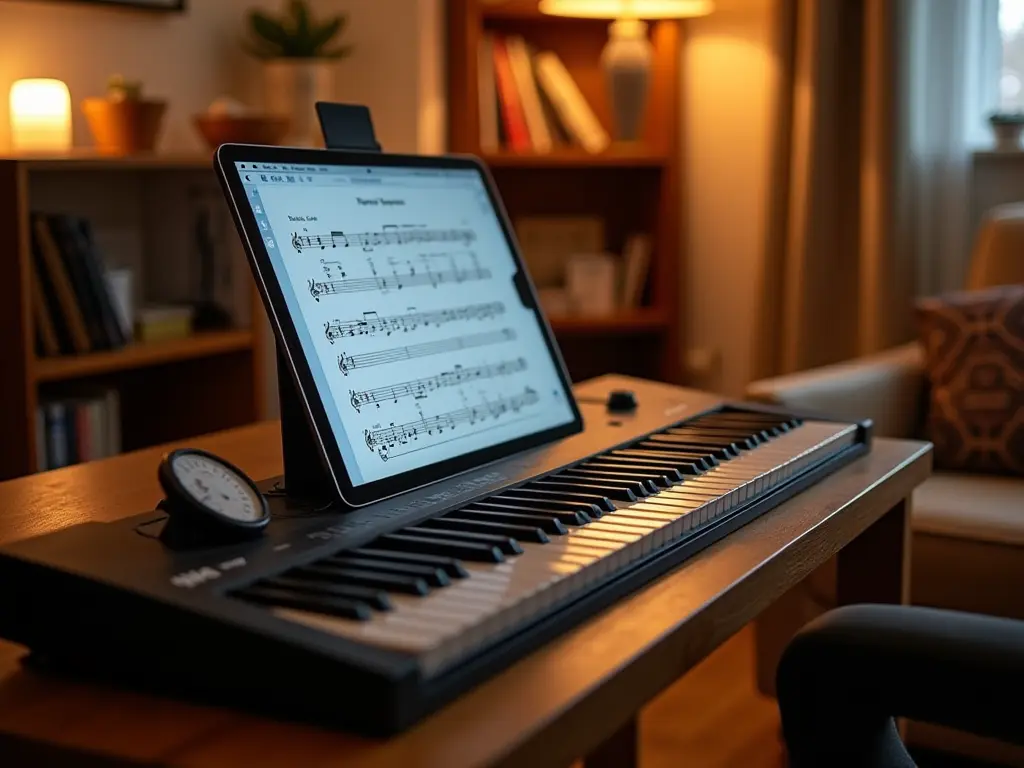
[300,19]
[324,33]
[269,29]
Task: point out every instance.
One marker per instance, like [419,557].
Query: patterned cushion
[974,358]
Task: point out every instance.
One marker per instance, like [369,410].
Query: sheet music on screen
[400,284]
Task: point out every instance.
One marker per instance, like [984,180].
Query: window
[1011,78]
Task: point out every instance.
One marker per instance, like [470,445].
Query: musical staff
[347,363]
[383,441]
[372,323]
[318,288]
[420,388]
[387,236]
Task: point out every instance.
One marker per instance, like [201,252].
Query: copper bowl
[227,129]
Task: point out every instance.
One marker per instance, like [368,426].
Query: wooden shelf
[88,160]
[205,344]
[644,320]
[614,157]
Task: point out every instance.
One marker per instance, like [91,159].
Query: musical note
[388,236]
[372,323]
[420,388]
[347,363]
[383,441]
[384,283]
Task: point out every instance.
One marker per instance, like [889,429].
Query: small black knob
[621,401]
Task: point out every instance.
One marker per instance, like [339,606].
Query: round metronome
[208,500]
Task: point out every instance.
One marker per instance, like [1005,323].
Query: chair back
[998,255]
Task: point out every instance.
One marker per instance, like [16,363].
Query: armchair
[968,530]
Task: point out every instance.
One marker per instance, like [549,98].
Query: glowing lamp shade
[40,112]
[637,9]
[628,57]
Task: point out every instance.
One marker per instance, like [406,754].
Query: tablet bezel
[225,160]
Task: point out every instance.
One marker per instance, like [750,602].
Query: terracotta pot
[124,127]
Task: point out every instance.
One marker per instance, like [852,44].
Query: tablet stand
[345,127]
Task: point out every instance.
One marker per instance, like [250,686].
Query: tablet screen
[399,281]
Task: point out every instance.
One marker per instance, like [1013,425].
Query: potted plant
[1007,127]
[299,54]
[124,122]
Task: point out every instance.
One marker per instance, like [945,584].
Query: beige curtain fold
[835,281]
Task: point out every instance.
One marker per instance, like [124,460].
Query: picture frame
[159,6]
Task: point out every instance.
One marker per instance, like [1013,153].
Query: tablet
[401,303]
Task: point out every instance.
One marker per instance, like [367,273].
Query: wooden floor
[714,717]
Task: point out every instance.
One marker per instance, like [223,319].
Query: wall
[730,81]
[192,58]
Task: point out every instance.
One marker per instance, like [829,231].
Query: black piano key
[462,523]
[657,471]
[718,451]
[684,462]
[772,427]
[434,576]
[651,478]
[375,598]
[332,606]
[633,483]
[563,516]
[783,421]
[449,565]
[608,490]
[392,582]
[708,438]
[507,545]
[464,550]
[547,523]
[706,457]
[751,432]
[592,503]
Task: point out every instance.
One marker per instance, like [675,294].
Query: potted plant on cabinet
[299,55]
[1007,128]
[123,122]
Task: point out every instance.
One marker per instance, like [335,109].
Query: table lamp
[626,58]
[40,112]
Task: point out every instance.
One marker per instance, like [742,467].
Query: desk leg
[620,750]
[875,567]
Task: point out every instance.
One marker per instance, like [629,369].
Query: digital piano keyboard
[368,620]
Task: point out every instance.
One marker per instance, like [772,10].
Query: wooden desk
[577,696]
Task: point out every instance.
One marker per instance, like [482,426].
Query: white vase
[291,89]
[626,61]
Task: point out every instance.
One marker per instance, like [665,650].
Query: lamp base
[626,61]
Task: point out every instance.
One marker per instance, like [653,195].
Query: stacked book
[70,430]
[72,302]
[530,103]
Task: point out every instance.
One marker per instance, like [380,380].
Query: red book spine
[511,107]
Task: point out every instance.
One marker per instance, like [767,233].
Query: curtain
[880,103]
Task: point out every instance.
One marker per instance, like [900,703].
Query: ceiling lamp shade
[637,9]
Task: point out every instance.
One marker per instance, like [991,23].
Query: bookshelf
[142,211]
[632,187]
